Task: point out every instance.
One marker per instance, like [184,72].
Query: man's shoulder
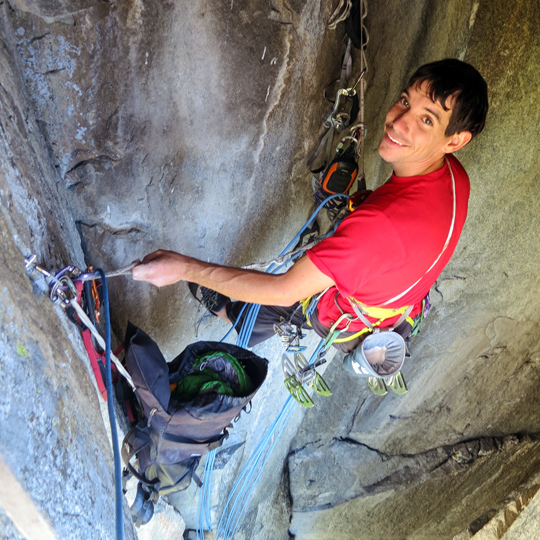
[457,168]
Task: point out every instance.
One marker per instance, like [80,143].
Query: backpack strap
[129,450]
[214,442]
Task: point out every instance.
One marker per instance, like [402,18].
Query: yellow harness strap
[381,314]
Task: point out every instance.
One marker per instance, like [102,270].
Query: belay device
[175,433]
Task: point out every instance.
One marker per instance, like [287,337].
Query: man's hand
[161,268]
[302,280]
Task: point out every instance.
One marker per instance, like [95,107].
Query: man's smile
[395,141]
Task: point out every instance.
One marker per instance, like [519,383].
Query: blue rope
[255,465]
[247,472]
[235,323]
[110,406]
[254,461]
[203,507]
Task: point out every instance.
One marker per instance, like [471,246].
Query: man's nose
[401,121]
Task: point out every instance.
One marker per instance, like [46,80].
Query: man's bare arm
[303,279]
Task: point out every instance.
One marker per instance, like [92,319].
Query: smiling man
[388,253]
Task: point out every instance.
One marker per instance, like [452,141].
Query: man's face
[414,141]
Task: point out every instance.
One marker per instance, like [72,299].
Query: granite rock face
[201,114]
[132,126]
[52,437]
[474,370]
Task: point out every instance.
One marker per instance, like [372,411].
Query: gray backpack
[174,434]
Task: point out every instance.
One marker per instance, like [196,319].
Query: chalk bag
[381,354]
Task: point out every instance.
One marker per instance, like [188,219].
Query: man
[387,254]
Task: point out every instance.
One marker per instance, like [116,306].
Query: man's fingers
[137,272]
[159,268]
[143,271]
[152,256]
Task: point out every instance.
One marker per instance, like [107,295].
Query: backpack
[173,435]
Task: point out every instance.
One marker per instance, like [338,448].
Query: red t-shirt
[390,241]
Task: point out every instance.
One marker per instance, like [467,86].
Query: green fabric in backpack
[231,382]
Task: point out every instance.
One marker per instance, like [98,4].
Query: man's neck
[418,169]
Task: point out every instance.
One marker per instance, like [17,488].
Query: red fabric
[390,242]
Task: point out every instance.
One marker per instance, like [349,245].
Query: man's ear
[457,141]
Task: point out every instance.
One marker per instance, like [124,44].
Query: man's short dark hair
[451,77]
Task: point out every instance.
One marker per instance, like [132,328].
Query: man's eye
[427,121]
[403,101]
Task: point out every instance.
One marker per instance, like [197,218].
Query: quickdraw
[345,109]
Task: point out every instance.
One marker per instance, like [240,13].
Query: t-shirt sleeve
[365,242]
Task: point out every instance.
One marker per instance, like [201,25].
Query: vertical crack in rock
[275,98]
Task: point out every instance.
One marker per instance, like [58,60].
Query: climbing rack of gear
[338,173]
[379,386]
[299,374]
[80,294]
[290,336]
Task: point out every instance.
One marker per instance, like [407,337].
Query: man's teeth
[394,140]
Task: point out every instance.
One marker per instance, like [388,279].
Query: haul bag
[174,434]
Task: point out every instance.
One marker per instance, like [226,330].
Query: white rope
[340,14]
[445,244]
[362,89]
[121,271]
[114,273]
[88,323]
